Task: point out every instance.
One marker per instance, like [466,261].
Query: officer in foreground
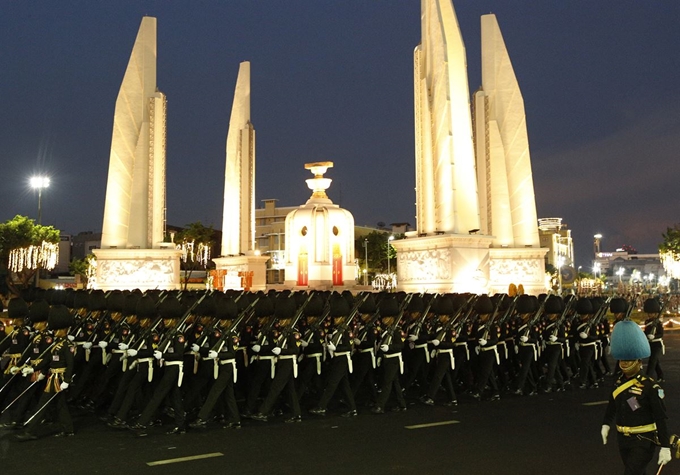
[636,406]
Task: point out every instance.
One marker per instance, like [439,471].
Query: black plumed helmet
[584,306]
[59,317]
[339,306]
[417,304]
[596,302]
[170,308]
[38,311]
[618,305]
[369,305]
[315,306]
[17,308]
[525,304]
[554,304]
[226,308]
[652,306]
[444,305]
[264,306]
[96,301]
[146,307]
[389,307]
[284,307]
[483,304]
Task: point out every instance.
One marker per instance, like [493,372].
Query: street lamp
[366,262]
[596,269]
[620,273]
[389,240]
[39,182]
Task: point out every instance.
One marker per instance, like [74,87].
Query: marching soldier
[486,333]
[59,363]
[636,406]
[654,332]
[14,345]
[392,365]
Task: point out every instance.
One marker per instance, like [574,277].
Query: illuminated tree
[25,248]
[669,251]
[195,242]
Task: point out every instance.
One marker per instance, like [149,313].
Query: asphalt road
[555,434]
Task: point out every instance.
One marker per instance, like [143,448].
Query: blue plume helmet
[628,342]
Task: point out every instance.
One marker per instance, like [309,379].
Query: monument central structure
[477,229]
[134,254]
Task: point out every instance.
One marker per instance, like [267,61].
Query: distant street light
[620,273]
[389,245]
[596,269]
[39,182]
[366,262]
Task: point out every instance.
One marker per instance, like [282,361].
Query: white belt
[317,357]
[401,360]
[347,355]
[372,352]
[663,347]
[232,362]
[467,349]
[295,364]
[495,350]
[271,359]
[427,353]
[450,353]
[592,343]
[150,361]
[533,347]
[505,348]
[181,370]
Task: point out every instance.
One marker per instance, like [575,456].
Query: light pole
[389,240]
[40,182]
[366,262]
[620,273]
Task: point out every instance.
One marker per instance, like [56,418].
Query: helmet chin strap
[630,368]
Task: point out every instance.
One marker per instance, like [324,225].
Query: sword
[40,410]
[19,396]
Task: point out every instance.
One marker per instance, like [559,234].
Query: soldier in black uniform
[364,361]
[309,382]
[486,332]
[636,406]
[391,345]
[339,347]
[13,346]
[654,332]
[586,334]
[527,343]
[59,363]
[170,352]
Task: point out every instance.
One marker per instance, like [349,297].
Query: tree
[195,241]
[81,267]
[25,248]
[669,251]
[377,251]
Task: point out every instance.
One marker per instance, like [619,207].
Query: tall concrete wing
[507,141]
[446,189]
[134,210]
[238,225]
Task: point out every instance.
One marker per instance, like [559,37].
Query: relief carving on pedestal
[510,268]
[127,272]
[425,265]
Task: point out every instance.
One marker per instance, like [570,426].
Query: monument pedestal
[241,272]
[524,265]
[443,263]
[143,269]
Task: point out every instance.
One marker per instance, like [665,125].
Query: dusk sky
[333,80]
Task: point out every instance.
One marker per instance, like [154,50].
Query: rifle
[455,320]
[389,334]
[314,327]
[169,334]
[285,333]
[243,317]
[423,316]
[353,313]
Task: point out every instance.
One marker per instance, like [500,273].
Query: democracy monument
[476,221]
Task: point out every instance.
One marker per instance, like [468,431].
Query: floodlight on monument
[389,245]
[620,271]
[39,182]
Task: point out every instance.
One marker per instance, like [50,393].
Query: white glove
[40,377]
[87,345]
[650,337]
[524,338]
[195,348]
[132,352]
[552,338]
[26,370]
[357,342]
[276,350]
[102,344]
[63,386]
[482,342]
[605,432]
[157,354]
[14,370]
[436,342]
[577,345]
[664,456]
[70,337]
[331,347]
[583,335]
[412,338]
[212,354]
[384,348]
[303,343]
[122,346]
[256,348]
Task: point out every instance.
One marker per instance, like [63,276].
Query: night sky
[333,80]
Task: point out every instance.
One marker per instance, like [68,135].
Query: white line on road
[185,459]
[596,403]
[432,424]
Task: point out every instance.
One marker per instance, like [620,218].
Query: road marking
[596,403]
[185,459]
[432,424]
